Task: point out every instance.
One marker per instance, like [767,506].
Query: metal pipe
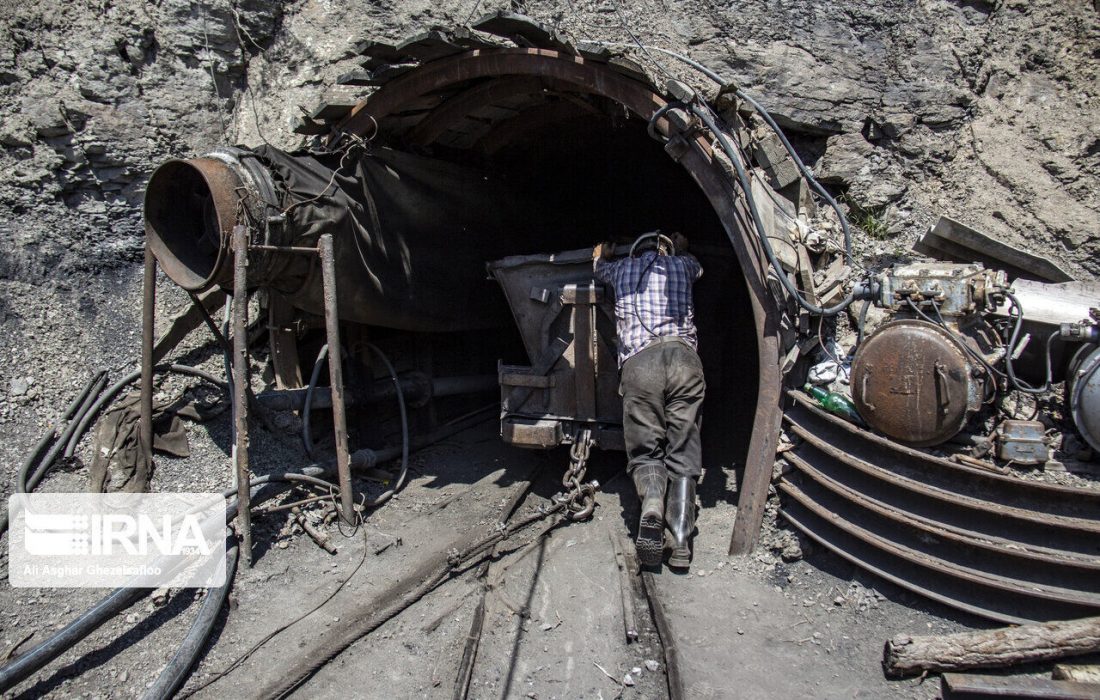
[241,376]
[336,376]
[416,386]
[148,311]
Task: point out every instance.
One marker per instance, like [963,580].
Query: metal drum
[914,381]
[1083,390]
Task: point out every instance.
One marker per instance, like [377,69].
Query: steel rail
[994,545]
[892,543]
[1031,554]
[944,505]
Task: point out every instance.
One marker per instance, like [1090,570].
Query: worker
[661,382]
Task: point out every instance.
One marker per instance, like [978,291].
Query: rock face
[981,110]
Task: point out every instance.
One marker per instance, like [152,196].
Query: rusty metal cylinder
[1083,393]
[410,234]
[914,381]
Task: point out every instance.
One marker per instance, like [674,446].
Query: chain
[579,498]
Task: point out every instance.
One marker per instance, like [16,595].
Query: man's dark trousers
[663,389]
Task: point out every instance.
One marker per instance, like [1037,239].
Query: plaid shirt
[652,298]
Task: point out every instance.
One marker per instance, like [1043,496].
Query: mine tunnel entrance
[585,175]
[458,164]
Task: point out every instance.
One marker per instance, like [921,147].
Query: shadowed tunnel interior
[587,177]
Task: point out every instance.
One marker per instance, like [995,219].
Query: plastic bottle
[833,402]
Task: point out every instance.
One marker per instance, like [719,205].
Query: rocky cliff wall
[981,110]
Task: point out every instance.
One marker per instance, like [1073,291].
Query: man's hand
[603,251]
[680,241]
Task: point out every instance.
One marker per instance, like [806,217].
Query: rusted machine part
[191,207]
[388,209]
[1083,392]
[241,378]
[997,546]
[148,316]
[336,378]
[1022,442]
[913,381]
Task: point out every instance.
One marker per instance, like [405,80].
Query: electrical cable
[68,416]
[1017,383]
[746,188]
[262,488]
[27,484]
[862,321]
[403,473]
[175,674]
[770,121]
[24,665]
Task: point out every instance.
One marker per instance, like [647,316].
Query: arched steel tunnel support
[694,154]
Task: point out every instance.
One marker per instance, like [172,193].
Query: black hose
[403,473]
[41,654]
[746,187]
[767,117]
[26,483]
[175,674]
[1017,383]
[121,598]
[69,414]
[307,406]
[862,321]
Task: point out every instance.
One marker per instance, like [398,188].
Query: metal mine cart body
[567,322]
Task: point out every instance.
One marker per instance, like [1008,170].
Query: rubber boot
[680,516]
[651,481]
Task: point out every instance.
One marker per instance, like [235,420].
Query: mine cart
[570,391]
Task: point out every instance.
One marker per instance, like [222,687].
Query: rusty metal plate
[912,381]
[1005,548]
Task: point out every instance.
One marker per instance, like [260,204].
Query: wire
[1017,383]
[746,188]
[767,117]
[403,473]
[307,406]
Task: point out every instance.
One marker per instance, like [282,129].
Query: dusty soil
[984,111]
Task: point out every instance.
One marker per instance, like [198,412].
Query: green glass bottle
[834,403]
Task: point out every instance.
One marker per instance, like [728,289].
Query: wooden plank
[965,685]
[186,321]
[1082,673]
[387,72]
[523,30]
[906,655]
[584,361]
[429,46]
[469,39]
[629,68]
[595,51]
[308,127]
[331,111]
[355,77]
[377,49]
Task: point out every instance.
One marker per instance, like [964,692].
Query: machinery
[921,376]
[1083,384]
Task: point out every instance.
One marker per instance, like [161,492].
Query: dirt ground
[984,111]
[553,618]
